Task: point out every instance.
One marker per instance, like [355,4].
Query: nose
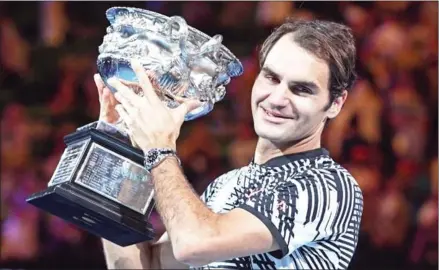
[278,97]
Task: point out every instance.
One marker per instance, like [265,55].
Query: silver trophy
[186,62]
[100,183]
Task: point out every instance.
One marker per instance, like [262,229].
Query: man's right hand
[107,112]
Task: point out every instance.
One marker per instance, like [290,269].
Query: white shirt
[311,205]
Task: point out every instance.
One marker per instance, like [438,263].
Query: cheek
[307,108]
[260,92]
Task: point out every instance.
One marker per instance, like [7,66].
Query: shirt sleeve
[215,186]
[296,213]
[208,192]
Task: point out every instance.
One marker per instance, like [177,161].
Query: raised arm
[198,235]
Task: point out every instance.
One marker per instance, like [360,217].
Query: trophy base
[97,186]
[96,215]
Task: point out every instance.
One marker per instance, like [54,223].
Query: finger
[129,122]
[145,82]
[153,80]
[100,85]
[132,111]
[123,94]
[192,104]
[134,87]
[124,115]
[185,107]
[107,96]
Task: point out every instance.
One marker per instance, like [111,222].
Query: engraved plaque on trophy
[101,186]
[100,183]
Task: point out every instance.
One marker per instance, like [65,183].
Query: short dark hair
[329,41]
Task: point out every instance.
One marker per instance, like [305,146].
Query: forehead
[291,61]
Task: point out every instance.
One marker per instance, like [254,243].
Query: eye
[271,78]
[299,89]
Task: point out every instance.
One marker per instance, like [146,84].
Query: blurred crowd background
[386,134]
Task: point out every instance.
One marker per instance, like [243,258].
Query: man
[292,207]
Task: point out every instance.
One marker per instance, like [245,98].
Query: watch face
[152,156]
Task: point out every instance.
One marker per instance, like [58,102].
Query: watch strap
[156,156]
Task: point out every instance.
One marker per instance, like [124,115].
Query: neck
[266,150]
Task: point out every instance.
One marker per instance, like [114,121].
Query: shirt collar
[285,159]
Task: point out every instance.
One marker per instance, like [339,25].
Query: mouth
[273,116]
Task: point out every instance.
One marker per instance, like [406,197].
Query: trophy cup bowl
[100,183]
[186,62]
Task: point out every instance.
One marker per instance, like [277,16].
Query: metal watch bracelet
[156,156]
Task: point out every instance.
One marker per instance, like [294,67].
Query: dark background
[386,134]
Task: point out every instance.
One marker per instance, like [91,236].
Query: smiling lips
[273,116]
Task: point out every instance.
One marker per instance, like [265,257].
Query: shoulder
[327,176]
[324,193]
[326,169]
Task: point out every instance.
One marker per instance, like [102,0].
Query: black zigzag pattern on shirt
[312,205]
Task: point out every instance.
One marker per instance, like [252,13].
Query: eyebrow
[268,70]
[291,84]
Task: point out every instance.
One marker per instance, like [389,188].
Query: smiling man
[292,207]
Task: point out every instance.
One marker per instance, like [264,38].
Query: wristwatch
[155,156]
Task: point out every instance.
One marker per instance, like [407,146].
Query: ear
[337,104]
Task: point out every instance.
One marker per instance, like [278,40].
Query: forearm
[131,257]
[187,219]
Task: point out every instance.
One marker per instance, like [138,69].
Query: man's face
[290,94]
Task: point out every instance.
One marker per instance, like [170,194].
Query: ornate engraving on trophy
[69,161]
[116,178]
[186,62]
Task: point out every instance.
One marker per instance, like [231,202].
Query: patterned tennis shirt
[311,205]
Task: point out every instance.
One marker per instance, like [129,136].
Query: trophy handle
[213,45]
[182,32]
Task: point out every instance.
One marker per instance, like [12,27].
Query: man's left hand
[150,122]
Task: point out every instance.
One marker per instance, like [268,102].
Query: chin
[269,133]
